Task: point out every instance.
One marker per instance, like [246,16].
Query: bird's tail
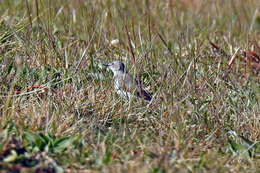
[144,94]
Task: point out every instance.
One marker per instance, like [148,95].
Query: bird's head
[116,66]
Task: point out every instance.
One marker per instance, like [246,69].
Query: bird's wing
[140,92]
[124,81]
[126,87]
[123,85]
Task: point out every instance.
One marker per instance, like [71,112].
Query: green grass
[59,111]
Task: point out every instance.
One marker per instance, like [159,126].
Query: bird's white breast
[119,82]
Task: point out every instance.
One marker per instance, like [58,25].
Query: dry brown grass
[60,113]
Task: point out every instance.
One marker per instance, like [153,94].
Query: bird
[124,83]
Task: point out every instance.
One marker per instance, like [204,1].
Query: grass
[58,109]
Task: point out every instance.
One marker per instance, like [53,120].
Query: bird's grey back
[124,80]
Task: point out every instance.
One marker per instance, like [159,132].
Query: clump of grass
[59,111]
